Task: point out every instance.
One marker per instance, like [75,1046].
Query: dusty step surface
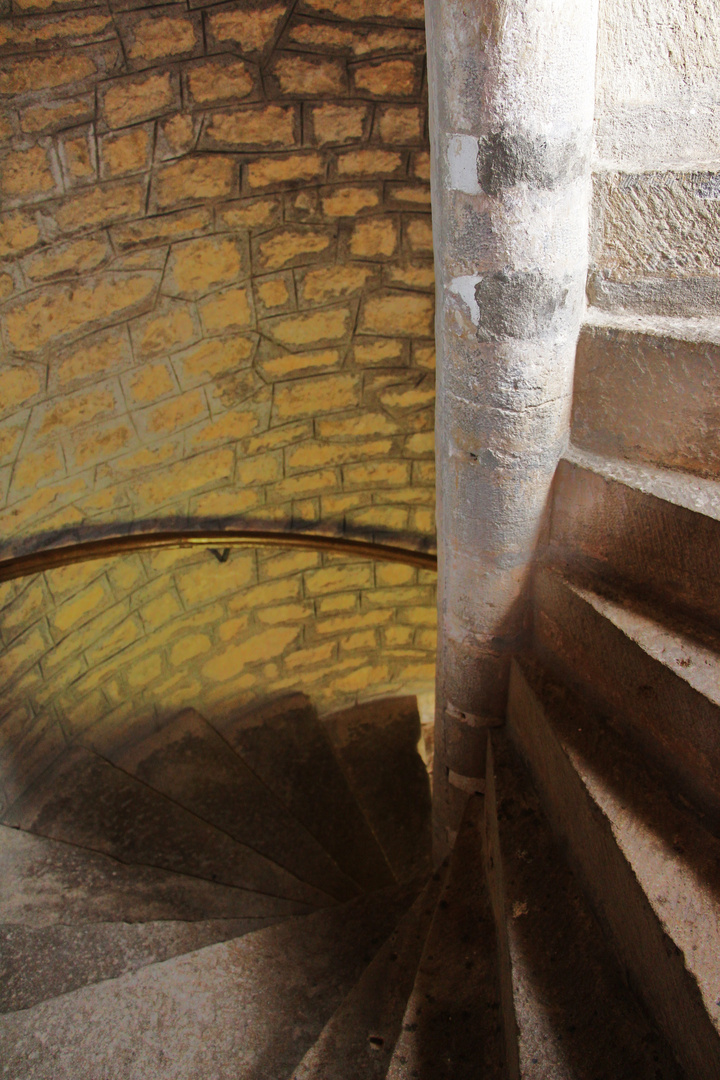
[655,676]
[653,529]
[452,1027]
[650,869]
[285,744]
[359,1039]
[247,1009]
[85,800]
[45,882]
[44,962]
[376,744]
[576,1017]
[188,761]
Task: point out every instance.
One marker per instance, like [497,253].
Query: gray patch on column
[518,304]
[505,160]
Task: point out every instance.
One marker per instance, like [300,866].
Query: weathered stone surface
[189,762]
[377,747]
[278,743]
[228,1007]
[86,801]
[574,1010]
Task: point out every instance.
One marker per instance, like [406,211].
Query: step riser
[674,725]
[654,964]
[647,398]
[620,533]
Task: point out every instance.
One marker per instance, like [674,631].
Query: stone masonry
[216,307]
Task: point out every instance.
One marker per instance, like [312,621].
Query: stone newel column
[511,108]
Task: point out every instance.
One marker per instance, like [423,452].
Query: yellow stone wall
[216,307]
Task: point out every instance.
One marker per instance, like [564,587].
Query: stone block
[78,157]
[286,169]
[355,40]
[250,213]
[373,351]
[173,482]
[206,361]
[319,286]
[403,11]
[408,196]
[48,72]
[69,29]
[125,152]
[294,75]
[230,427]
[418,235]
[253,128]
[18,233]
[258,649]
[72,257]
[220,80]
[139,97]
[168,328]
[159,229]
[345,201]
[376,474]
[356,426]
[335,124]
[380,163]
[374,238]
[167,33]
[420,276]
[62,311]
[420,166]
[250,29]
[394,313]
[291,365]
[195,178]
[27,175]
[338,579]
[274,294]
[171,416]
[312,454]
[54,418]
[99,443]
[102,204]
[176,136]
[313,483]
[231,309]
[298,331]
[401,124]
[294,246]
[415,397]
[399,78]
[196,267]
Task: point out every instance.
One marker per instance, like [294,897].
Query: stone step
[285,744]
[377,746]
[46,882]
[247,1009]
[654,676]
[190,763]
[454,1027]
[649,391]
[654,530]
[360,1037]
[649,867]
[85,800]
[577,1019]
[38,963]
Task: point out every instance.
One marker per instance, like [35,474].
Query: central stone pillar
[511,111]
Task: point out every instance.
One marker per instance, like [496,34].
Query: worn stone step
[86,800]
[377,746]
[188,761]
[38,963]
[286,745]
[247,1009]
[359,1039]
[655,530]
[453,1027]
[44,882]
[649,867]
[577,1018]
[655,676]
[649,392]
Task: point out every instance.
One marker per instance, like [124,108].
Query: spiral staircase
[257,900]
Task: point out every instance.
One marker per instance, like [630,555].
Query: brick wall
[216,305]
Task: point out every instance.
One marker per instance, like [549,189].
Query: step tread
[652,673]
[88,801]
[650,866]
[286,745]
[452,1027]
[577,1019]
[44,882]
[188,761]
[39,963]
[376,744]
[360,1037]
[246,1008]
